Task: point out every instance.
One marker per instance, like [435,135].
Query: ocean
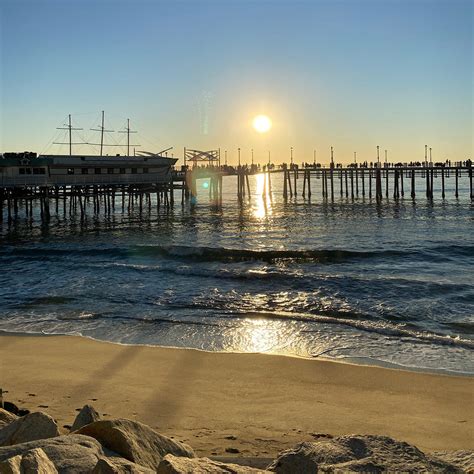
[353,280]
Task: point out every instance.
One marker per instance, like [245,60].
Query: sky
[351,74]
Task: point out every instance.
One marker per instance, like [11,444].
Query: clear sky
[349,73]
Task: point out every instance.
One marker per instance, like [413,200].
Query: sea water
[353,279]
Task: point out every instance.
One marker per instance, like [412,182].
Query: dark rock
[85,417]
[232,450]
[356,454]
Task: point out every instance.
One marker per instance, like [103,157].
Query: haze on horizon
[351,73]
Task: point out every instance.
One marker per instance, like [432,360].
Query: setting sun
[262,124]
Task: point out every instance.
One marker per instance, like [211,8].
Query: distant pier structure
[77,185]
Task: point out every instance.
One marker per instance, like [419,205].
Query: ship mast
[101,129]
[70,128]
[128,132]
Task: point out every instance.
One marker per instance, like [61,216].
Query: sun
[262,124]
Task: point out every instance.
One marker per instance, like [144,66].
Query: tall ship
[31,169]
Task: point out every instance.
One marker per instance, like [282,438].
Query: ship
[30,169]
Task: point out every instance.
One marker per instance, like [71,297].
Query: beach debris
[36,461]
[232,450]
[231,437]
[6,417]
[86,416]
[30,427]
[357,453]
[116,465]
[68,453]
[135,441]
[178,465]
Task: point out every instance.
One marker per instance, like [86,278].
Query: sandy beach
[256,404]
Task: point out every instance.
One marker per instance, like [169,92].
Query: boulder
[115,465]
[364,453]
[6,417]
[462,459]
[69,453]
[37,462]
[11,465]
[30,427]
[135,441]
[179,465]
[86,416]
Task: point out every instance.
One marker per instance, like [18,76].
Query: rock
[116,465]
[232,450]
[365,453]
[10,465]
[179,465]
[462,459]
[36,461]
[135,441]
[12,408]
[86,416]
[6,417]
[366,465]
[69,453]
[30,427]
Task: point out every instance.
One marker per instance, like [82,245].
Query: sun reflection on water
[262,206]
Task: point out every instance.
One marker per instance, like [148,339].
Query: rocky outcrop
[116,465]
[462,459]
[11,465]
[135,441]
[69,453]
[86,416]
[178,465]
[28,428]
[6,418]
[36,462]
[357,454]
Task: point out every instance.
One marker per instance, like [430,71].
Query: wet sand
[254,403]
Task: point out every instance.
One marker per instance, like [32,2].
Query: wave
[227,255]
[376,326]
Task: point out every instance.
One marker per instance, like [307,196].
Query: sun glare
[261,123]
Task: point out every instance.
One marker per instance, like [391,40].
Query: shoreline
[358,361]
[258,404]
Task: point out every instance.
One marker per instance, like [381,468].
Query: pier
[104,193]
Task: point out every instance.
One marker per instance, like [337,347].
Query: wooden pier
[109,193]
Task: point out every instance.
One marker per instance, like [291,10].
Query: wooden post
[413,194]
[342,186]
[470,183]
[442,183]
[345,178]
[457,183]
[295,177]
[331,174]
[363,182]
[285,185]
[401,182]
[304,182]
[309,184]
[352,183]
[370,183]
[386,177]
[357,182]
